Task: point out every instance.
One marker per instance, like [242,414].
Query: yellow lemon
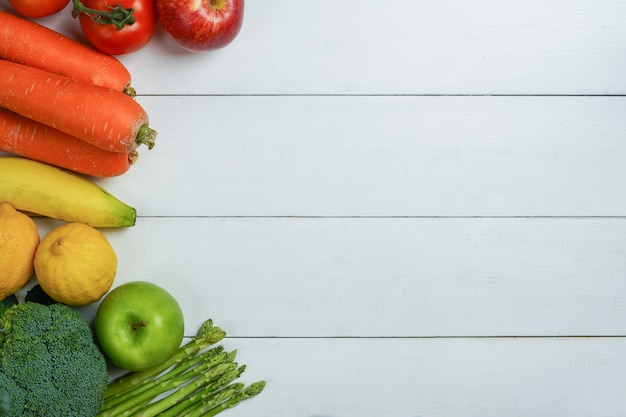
[19,238]
[75,264]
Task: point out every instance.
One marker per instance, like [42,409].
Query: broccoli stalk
[196,377]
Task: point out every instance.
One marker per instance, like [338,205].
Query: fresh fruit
[19,239]
[75,264]
[49,191]
[139,325]
[22,136]
[29,43]
[106,118]
[38,8]
[116,37]
[201,25]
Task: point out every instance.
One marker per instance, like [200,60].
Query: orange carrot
[106,118]
[29,43]
[30,139]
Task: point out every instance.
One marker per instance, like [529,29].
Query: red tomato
[107,38]
[38,8]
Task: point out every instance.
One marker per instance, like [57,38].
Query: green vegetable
[7,303]
[5,403]
[49,363]
[197,380]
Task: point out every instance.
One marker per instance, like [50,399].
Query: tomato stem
[117,16]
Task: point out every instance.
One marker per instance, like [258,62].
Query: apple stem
[136,326]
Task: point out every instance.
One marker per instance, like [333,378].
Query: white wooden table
[395,209]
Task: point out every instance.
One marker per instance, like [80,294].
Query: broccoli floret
[7,303]
[49,362]
[5,404]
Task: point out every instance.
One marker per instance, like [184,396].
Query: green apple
[138,325]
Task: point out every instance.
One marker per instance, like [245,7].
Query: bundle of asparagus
[198,380]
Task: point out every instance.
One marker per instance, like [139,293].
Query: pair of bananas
[45,190]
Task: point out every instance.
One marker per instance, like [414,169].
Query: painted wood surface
[408,209]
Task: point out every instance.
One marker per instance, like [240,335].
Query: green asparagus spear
[207,335]
[197,380]
[201,395]
[199,372]
[214,400]
[249,392]
[163,404]
[207,360]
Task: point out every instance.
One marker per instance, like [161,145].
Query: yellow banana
[49,191]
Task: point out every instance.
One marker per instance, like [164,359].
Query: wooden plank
[268,277]
[434,377]
[405,47]
[363,47]
[381,156]
[361,240]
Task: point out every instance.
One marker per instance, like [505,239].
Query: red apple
[201,25]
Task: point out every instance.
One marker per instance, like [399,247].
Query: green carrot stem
[146,136]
